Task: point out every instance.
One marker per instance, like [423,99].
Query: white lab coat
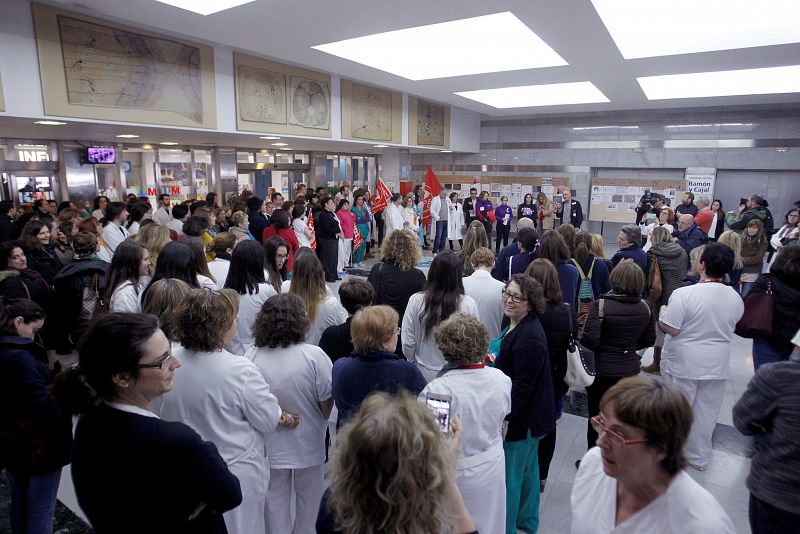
[162,216]
[330,312]
[481,398]
[127,297]
[487,293]
[113,235]
[455,220]
[219,269]
[417,348]
[249,306]
[227,401]
[393,218]
[410,220]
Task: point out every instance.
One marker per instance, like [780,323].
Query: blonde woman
[308,283]
[474,239]
[154,237]
[544,211]
[734,241]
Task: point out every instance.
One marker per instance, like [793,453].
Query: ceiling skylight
[649,28]
[205,7]
[538,95]
[765,81]
[491,43]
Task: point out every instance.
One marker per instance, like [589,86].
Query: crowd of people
[212,348]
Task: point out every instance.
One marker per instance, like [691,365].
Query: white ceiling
[286,29]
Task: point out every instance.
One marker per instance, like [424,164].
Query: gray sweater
[772,401]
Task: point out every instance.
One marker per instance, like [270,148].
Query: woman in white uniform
[455,220]
[481,397]
[127,277]
[634,481]
[442,296]
[246,277]
[308,283]
[300,377]
[224,398]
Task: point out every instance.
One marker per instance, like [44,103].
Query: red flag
[432,189]
[311,227]
[358,240]
[381,198]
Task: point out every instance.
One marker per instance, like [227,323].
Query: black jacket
[500,269]
[577,213]
[336,340]
[8,229]
[326,225]
[258,221]
[523,358]
[44,261]
[394,287]
[35,435]
[27,284]
[556,323]
[628,325]
[69,284]
[786,310]
[691,238]
[683,209]
[120,459]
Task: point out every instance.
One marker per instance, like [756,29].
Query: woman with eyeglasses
[224,398]
[523,358]
[634,480]
[276,256]
[132,471]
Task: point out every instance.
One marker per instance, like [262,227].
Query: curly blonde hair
[390,469]
[402,247]
[462,338]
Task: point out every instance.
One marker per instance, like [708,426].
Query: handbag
[757,318]
[580,360]
[654,276]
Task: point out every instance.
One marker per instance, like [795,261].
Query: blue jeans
[33,504]
[763,353]
[745,288]
[441,236]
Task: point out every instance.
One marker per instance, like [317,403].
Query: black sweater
[556,323]
[136,474]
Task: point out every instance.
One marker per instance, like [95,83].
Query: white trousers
[706,397]
[309,485]
[253,474]
[483,489]
[345,250]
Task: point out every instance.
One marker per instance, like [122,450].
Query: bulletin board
[615,199]
[513,187]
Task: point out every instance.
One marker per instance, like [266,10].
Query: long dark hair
[247,268]
[138,211]
[124,266]
[31,230]
[276,276]
[175,261]
[443,290]
[280,219]
[11,309]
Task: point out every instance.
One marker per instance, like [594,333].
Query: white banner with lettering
[700,181]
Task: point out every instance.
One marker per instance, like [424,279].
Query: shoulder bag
[654,277]
[580,360]
[757,318]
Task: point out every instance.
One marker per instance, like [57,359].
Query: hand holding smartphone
[439,404]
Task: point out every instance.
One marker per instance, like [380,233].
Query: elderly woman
[240,227]
[619,323]
[415,491]
[224,398]
[442,296]
[36,434]
[373,366]
[634,480]
[481,397]
[300,375]
[123,433]
[629,242]
[523,358]
[672,262]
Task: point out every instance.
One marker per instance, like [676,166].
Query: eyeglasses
[516,299]
[160,363]
[614,438]
[282,256]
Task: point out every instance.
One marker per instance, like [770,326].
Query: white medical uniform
[330,312]
[249,306]
[219,269]
[487,293]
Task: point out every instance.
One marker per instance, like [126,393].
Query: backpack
[585,290]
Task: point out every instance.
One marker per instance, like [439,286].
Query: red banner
[358,240]
[311,227]
[381,197]
[432,188]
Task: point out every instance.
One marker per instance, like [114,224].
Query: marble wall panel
[788,160]
[603,157]
[647,158]
[515,134]
[553,156]
[745,158]
[515,157]
[690,157]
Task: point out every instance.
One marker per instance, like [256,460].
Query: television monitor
[101,154]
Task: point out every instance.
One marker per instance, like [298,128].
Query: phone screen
[441,411]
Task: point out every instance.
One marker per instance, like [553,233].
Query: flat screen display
[101,154]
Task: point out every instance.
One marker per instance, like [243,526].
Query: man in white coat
[394,214]
[162,215]
[699,323]
[114,232]
[487,292]
[439,217]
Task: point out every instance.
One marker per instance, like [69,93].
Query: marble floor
[724,478]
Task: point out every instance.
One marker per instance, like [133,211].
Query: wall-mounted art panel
[371,113]
[101,70]
[428,123]
[276,98]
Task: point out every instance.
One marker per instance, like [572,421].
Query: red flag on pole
[381,198]
[311,227]
[358,240]
[432,188]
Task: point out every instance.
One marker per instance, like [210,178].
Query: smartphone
[440,406]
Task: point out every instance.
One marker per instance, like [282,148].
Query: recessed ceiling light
[269,137]
[381,146]
[50,123]
[147,147]
[765,81]
[647,29]
[445,151]
[491,43]
[280,144]
[537,95]
[169,143]
[127,136]
[205,7]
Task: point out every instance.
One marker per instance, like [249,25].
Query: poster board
[371,113]
[428,123]
[513,187]
[615,199]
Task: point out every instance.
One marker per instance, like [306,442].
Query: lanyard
[480,365]
[711,280]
